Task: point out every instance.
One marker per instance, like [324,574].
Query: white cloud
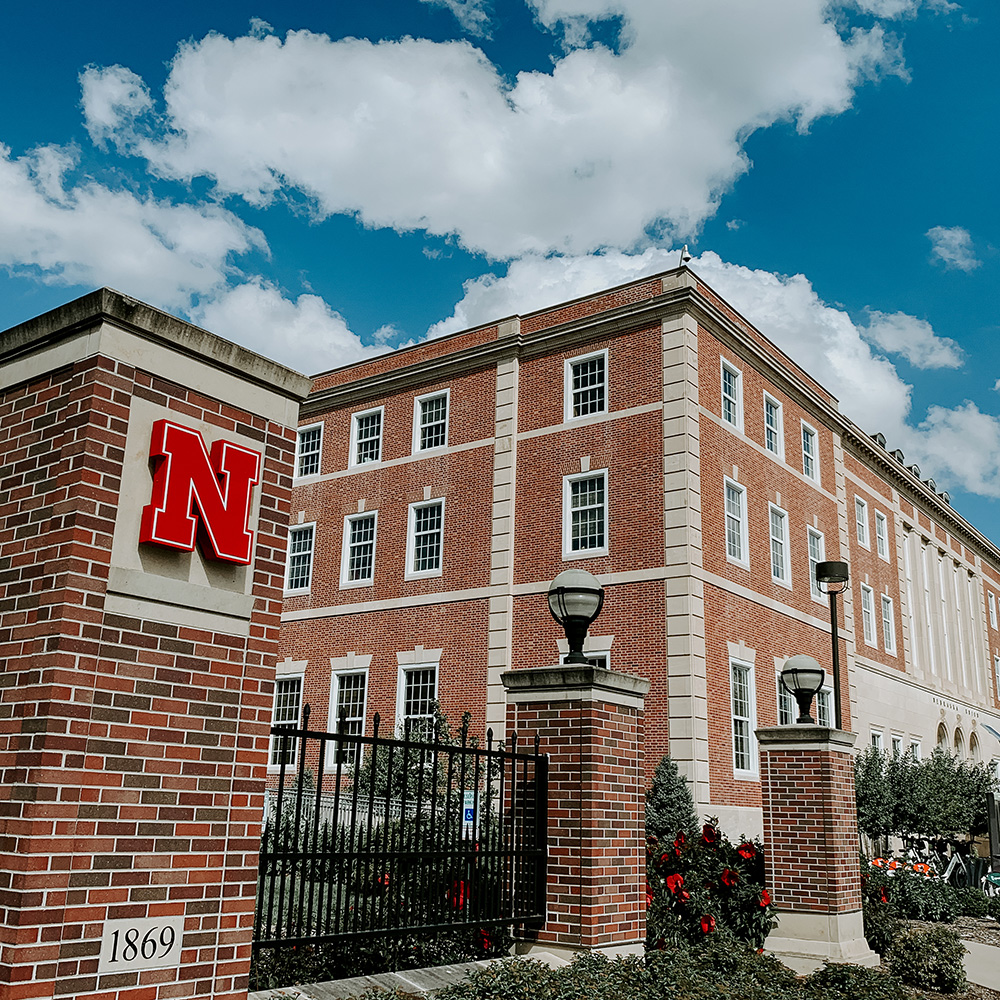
[952,247]
[472,15]
[90,235]
[958,446]
[914,339]
[306,334]
[111,96]
[418,135]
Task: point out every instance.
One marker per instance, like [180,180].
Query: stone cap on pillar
[575,682]
[805,738]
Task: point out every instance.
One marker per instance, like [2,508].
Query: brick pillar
[590,723]
[811,840]
[137,678]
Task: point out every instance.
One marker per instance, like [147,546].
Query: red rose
[681,839]
[707,924]
[746,850]
[709,834]
[684,896]
[729,877]
[458,894]
[674,882]
[765,897]
[664,858]
[883,895]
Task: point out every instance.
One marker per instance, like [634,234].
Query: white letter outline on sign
[186,477]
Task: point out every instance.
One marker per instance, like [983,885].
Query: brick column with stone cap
[590,722]
[136,673]
[811,843]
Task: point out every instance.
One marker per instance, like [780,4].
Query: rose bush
[702,886]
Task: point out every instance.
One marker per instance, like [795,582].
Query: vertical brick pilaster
[590,723]
[811,845]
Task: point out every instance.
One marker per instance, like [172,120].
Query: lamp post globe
[802,677]
[575,600]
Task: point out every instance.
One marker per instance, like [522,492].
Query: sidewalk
[982,964]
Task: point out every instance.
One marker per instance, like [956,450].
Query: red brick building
[651,435]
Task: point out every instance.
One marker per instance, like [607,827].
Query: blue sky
[321,181]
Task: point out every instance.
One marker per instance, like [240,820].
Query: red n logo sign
[190,487]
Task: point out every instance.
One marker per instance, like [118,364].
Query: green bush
[851,982]
[907,895]
[669,806]
[993,907]
[702,885]
[929,958]
[972,902]
[723,968]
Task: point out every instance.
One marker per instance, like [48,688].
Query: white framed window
[881,535]
[868,614]
[877,739]
[996,673]
[781,570]
[916,749]
[991,597]
[348,698]
[585,515]
[594,659]
[810,452]
[416,698]
[774,437]
[817,550]
[744,705]
[300,557]
[897,745]
[861,521]
[732,395]
[308,451]
[586,385]
[425,539]
[430,421]
[366,436]
[286,713]
[888,624]
[357,557]
[824,707]
[737,542]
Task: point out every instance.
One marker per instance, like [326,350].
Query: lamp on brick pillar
[589,722]
[831,578]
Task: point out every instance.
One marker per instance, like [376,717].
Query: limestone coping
[805,737]
[574,682]
[106,304]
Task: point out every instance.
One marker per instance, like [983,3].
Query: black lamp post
[802,677]
[833,577]
[575,600]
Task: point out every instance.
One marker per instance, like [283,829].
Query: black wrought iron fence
[368,836]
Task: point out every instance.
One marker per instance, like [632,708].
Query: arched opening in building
[974,747]
[959,743]
[942,736]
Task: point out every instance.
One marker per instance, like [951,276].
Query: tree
[669,806]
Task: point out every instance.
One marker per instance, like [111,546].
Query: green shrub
[907,895]
[852,982]
[669,806]
[929,958]
[972,902]
[700,885]
[993,907]
[722,968]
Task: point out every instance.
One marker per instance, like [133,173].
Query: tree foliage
[669,806]
[939,797]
